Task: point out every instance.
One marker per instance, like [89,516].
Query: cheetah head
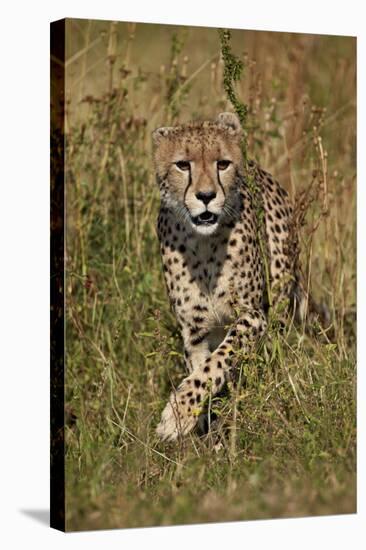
[198,168]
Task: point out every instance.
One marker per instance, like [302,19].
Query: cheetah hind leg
[307,309]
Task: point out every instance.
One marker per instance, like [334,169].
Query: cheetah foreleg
[186,403]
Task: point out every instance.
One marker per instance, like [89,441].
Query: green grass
[288,433]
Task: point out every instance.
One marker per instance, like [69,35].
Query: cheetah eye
[183,165]
[223,164]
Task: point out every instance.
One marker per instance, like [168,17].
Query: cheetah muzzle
[206,218]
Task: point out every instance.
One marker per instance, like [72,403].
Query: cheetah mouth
[206,218]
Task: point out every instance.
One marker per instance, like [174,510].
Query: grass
[289,434]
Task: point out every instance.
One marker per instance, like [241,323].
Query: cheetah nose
[206,197]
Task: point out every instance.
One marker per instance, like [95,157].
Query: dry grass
[293,420]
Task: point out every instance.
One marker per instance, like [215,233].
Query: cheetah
[213,265]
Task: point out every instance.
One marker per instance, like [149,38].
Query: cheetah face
[198,167]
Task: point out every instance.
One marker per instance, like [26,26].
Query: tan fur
[214,270]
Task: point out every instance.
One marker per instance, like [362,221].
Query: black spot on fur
[199,340]
[198,319]
[200,308]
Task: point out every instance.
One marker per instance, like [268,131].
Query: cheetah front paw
[181,412]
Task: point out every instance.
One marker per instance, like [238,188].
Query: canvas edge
[57,275]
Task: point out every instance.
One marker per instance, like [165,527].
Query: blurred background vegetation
[294,418]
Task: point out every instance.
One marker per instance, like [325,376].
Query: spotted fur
[212,262]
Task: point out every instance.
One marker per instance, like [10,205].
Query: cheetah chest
[205,277]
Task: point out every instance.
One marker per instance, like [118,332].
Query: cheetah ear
[231,121]
[160,133]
